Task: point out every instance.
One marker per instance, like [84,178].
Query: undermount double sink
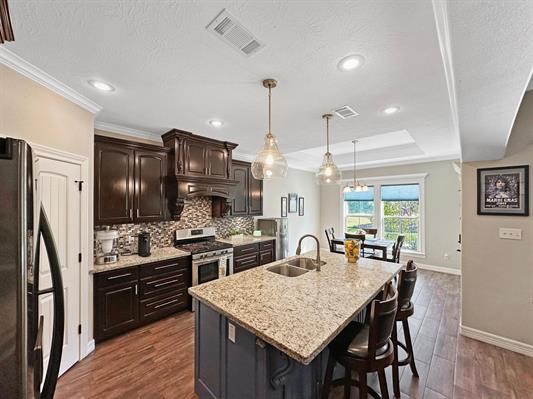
[294,267]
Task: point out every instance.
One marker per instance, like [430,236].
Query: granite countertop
[247,239]
[298,315]
[134,260]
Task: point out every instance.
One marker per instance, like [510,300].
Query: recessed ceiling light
[350,62]
[101,85]
[391,110]
[216,123]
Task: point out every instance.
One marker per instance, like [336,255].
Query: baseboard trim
[496,340]
[440,269]
[90,346]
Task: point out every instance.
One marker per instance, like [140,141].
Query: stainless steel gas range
[211,259]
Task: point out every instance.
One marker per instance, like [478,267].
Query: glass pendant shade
[269,162]
[328,173]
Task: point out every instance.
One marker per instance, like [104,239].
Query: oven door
[205,270]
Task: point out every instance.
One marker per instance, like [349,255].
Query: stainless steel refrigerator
[23,225]
[279,228]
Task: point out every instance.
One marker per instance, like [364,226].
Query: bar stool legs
[409,360]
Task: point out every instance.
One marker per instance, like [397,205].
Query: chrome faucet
[299,249]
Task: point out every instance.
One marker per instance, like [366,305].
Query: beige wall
[497,284]
[302,183]
[442,208]
[34,113]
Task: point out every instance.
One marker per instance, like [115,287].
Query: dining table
[368,243]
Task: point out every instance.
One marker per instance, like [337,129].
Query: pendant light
[328,174]
[355,186]
[269,162]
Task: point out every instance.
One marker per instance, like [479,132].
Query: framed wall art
[503,191]
[283,207]
[293,202]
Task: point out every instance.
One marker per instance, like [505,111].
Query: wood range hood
[198,167]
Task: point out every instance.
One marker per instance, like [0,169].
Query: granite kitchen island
[263,335]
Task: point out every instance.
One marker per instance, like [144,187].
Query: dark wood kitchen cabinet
[197,156]
[130,297]
[252,255]
[149,198]
[116,305]
[248,193]
[129,181]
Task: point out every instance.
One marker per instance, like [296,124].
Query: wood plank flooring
[157,361]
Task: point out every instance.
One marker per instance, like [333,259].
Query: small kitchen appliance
[211,259]
[144,244]
[106,246]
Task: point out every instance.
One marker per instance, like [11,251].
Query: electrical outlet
[446,256]
[231,332]
[510,234]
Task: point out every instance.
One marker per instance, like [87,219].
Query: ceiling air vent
[346,112]
[226,27]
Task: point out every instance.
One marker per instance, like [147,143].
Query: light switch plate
[231,332]
[510,234]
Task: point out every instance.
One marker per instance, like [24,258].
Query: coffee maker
[143,248]
[106,246]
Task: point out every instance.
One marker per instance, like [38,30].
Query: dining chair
[406,308]
[371,231]
[330,235]
[364,348]
[396,251]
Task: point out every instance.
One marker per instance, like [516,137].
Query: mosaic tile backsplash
[197,213]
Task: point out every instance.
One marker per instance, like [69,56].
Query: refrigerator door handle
[38,360]
[56,348]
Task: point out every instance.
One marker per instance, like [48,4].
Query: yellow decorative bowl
[351,250]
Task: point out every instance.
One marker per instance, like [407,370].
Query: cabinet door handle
[136,289]
[166,303]
[248,249]
[131,213]
[137,212]
[166,283]
[119,276]
[164,266]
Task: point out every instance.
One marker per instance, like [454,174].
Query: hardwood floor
[156,361]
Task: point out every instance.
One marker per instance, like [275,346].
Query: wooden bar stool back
[406,287]
[365,349]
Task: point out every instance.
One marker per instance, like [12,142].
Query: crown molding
[440,12]
[127,131]
[18,64]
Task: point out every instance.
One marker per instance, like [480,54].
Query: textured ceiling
[169,71]
[492,47]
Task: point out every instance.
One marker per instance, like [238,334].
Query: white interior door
[58,191]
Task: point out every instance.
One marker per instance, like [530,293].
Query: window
[358,210]
[401,214]
[393,205]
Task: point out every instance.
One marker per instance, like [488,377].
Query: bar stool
[406,286]
[365,348]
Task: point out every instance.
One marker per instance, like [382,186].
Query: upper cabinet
[197,156]
[248,193]
[114,187]
[129,182]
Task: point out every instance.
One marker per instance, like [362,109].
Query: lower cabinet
[127,298]
[252,255]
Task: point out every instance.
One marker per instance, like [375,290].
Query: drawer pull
[166,303]
[248,249]
[164,266]
[119,276]
[165,283]
[247,262]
